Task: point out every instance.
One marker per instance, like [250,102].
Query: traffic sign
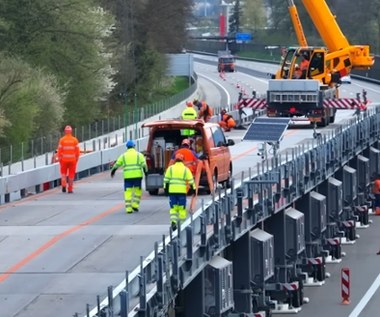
[243,36]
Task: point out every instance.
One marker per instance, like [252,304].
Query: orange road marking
[53,241]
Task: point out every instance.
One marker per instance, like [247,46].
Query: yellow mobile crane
[314,94]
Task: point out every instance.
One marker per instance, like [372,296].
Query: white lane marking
[366,298]
[221,86]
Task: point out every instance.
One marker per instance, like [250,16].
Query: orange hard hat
[185,142]
[189,104]
[179,157]
[68,129]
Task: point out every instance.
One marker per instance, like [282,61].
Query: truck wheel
[214,181]
[153,192]
[228,182]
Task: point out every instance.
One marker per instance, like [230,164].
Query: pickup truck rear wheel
[228,182]
[214,182]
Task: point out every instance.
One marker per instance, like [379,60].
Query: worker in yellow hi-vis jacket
[177,176]
[134,166]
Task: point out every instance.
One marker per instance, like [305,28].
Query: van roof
[177,124]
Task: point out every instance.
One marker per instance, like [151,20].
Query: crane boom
[293,12]
[326,24]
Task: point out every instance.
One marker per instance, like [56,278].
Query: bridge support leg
[190,301]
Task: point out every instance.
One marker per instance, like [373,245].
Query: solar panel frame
[266,129]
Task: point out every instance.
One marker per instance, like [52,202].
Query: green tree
[234,20]
[31,102]
[144,31]
[66,38]
[254,15]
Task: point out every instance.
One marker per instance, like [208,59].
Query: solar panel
[266,129]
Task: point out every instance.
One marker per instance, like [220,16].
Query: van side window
[218,136]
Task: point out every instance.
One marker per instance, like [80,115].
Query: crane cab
[311,62]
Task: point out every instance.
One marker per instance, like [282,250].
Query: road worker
[190,158]
[304,66]
[376,193]
[68,154]
[227,122]
[177,178]
[189,113]
[134,167]
[297,72]
[197,103]
[205,112]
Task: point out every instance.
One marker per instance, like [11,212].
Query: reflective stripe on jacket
[133,163]
[68,149]
[189,114]
[178,176]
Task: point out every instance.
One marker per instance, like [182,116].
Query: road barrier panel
[345,285]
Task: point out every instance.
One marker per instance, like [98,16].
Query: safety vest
[68,149]
[188,114]
[178,176]
[133,163]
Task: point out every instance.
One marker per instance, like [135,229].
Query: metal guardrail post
[228,226]
[160,281]
[124,303]
[175,265]
[189,245]
[239,197]
[142,290]
[110,301]
[216,228]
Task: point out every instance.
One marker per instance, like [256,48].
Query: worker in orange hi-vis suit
[205,112]
[68,155]
[190,158]
[376,193]
[227,122]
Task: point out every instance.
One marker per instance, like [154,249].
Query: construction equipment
[226,61]
[316,94]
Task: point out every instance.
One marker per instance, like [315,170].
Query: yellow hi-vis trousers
[132,197]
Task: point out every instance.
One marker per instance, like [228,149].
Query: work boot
[378,253]
[174,226]
[63,189]
[135,209]
[70,190]
[129,211]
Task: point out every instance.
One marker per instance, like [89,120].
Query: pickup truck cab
[208,142]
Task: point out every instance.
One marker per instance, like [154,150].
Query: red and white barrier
[345,285]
